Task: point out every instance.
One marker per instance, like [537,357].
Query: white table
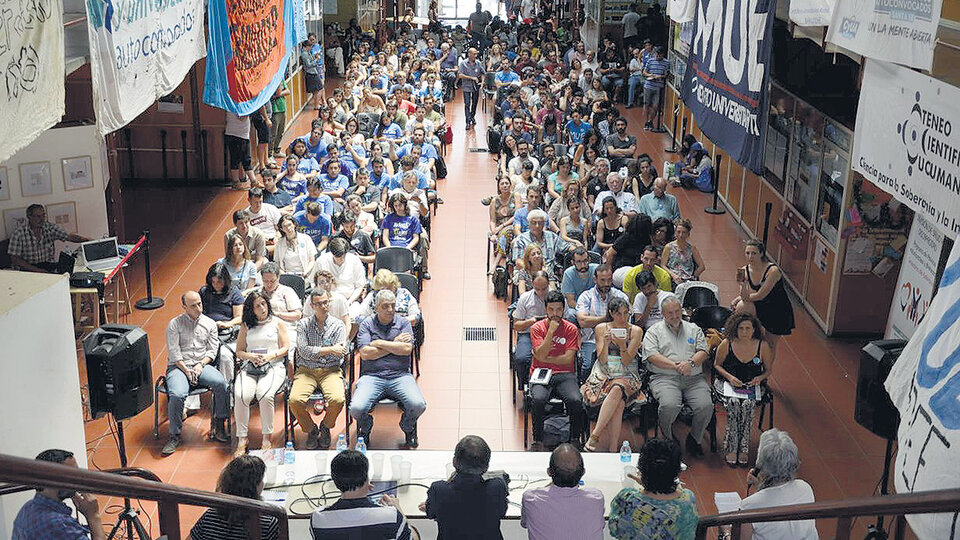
[604,471]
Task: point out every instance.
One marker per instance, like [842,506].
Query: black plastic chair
[412,284]
[710,317]
[697,297]
[394,258]
[160,387]
[489,88]
[316,398]
[295,282]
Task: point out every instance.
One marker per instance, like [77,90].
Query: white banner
[917,275]
[905,142]
[924,384]
[31,69]
[812,12]
[682,11]
[901,31]
[140,50]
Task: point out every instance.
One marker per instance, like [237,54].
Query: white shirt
[265,220]
[630,20]
[350,275]
[516,164]
[237,126]
[625,200]
[793,492]
[656,314]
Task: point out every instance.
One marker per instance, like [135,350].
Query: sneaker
[486,201]
[426,275]
[220,432]
[693,447]
[648,126]
[364,427]
[313,436]
[410,440]
[323,442]
[172,443]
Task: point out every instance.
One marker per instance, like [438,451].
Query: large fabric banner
[905,143]
[924,384]
[725,84]
[812,12]
[140,50]
[250,46]
[901,31]
[918,275]
[682,11]
[32,71]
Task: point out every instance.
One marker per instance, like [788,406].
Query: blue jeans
[587,350]
[523,356]
[370,388]
[612,83]
[178,387]
[635,81]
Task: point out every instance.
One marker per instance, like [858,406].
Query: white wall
[40,381]
[52,146]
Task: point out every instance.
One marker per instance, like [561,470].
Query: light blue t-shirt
[316,230]
[573,283]
[325,202]
[577,132]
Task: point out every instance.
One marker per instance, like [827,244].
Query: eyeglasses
[321,303]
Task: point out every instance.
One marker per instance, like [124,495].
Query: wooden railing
[30,472]
[928,502]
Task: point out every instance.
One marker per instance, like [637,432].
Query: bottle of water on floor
[288,455]
[625,454]
[341,443]
[361,445]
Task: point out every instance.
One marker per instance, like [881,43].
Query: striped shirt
[655,67]
[213,526]
[310,338]
[348,519]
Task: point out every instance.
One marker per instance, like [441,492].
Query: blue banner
[728,69]
[249,47]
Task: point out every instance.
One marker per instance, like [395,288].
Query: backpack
[441,166]
[556,430]
[493,140]
[501,284]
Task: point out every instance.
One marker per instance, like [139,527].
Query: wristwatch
[692,363]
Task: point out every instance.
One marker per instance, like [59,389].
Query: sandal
[591,444]
[743,459]
[241,447]
[731,459]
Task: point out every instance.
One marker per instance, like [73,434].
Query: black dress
[775,311]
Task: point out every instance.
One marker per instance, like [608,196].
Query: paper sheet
[728,501]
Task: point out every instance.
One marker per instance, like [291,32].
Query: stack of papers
[725,501]
[744,392]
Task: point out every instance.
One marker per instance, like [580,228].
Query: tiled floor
[467,384]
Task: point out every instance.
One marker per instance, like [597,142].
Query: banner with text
[140,50]
[32,69]
[812,12]
[924,384]
[250,46]
[901,31]
[725,84]
[905,143]
[682,11]
[917,276]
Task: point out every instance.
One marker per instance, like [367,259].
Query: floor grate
[479,333]
[478,150]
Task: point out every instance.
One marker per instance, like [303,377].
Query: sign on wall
[140,51]
[250,46]
[725,84]
[901,31]
[917,276]
[31,70]
[812,12]
[924,384]
[906,143]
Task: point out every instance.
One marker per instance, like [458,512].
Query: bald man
[659,203]
[563,509]
[192,345]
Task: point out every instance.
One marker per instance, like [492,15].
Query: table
[527,470]
[116,292]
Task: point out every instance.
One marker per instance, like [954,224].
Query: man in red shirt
[555,344]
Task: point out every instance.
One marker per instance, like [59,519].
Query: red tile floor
[467,385]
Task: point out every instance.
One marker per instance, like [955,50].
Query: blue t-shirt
[279,199]
[397,180]
[383,180]
[324,200]
[427,151]
[317,230]
[574,284]
[317,151]
[520,218]
[577,132]
[506,77]
[401,229]
[656,67]
[294,186]
[393,131]
[333,184]
[307,165]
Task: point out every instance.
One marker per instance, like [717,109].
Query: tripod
[129,516]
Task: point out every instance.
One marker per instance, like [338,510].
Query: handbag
[254,370]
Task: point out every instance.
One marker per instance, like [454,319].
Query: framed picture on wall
[4,185]
[77,173]
[35,179]
[63,215]
[13,219]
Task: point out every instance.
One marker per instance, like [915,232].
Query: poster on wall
[812,12]
[140,51]
[907,145]
[917,275]
[250,46]
[32,70]
[901,31]
[725,84]
[923,384]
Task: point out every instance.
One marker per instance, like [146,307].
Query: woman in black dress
[763,294]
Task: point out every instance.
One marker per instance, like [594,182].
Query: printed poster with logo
[140,50]
[924,384]
[725,84]
[32,71]
[901,31]
[250,46]
[812,12]
[915,284]
[906,142]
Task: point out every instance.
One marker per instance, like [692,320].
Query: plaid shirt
[43,517]
[35,250]
[310,338]
[551,245]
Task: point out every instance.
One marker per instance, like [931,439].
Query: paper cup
[395,467]
[321,459]
[376,462]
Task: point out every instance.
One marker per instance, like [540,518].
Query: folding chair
[412,284]
[316,398]
[295,282]
[160,387]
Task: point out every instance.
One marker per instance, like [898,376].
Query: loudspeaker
[873,409]
[119,376]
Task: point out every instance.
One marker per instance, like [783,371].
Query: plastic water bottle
[341,443]
[625,454]
[361,446]
[289,455]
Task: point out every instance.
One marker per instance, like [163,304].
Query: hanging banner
[917,276]
[905,142]
[32,71]
[250,46]
[924,384]
[901,31]
[140,51]
[682,11]
[725,84]
[812,12]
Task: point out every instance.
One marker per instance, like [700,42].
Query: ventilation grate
[478,150]
[479,333]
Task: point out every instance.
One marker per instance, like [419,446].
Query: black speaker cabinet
[119,376]
[874,410]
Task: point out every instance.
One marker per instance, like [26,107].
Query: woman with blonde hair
[406,304]
[532,263]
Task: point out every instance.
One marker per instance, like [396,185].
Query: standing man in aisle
[471,74]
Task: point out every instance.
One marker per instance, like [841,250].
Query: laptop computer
[101,255]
